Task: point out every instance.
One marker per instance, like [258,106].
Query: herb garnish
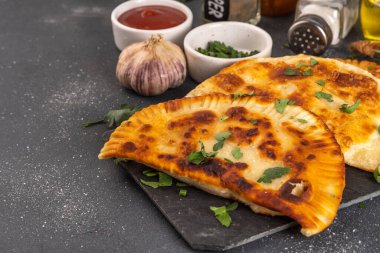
[350,109]
[236,153]
[163,180]
[223,118]
[222,215]
[150,173]
[115,117]
[301,64]
[362,205]
[313,61]
[253,121]
[228,160]
[378,129]
[303,121]
[200,156]
[376,174]
[117,161]
[321,94]
[221,137]
[181,184]
[308,72]
[239,95]
[273,173]
[280,104]
[182,193]
[221,50]
[370,67]
[290,72]
[320,82]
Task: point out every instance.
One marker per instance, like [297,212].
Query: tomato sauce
[152,17]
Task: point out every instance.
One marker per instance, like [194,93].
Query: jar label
[216,10]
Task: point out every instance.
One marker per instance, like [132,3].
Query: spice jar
[273,8]
[232,10]
[321,23]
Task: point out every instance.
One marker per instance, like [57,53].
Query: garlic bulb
[151,67]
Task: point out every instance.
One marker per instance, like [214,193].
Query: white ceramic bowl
[124,35]
[241,36]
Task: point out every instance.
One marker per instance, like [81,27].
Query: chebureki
[310,190]
[320,85]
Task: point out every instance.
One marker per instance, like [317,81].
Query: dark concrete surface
[57,63]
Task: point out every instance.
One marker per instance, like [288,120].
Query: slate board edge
[250,239]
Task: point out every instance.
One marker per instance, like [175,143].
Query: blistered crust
[162,136]
[356,133]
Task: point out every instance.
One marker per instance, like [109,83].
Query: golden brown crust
[162,136]
[370,66]
[356,133]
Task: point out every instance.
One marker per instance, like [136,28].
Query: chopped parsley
[223,118]
[239,95]
[362,205]
[200,157]
[117,161]
[376,174]
[301,64]
[150,173]
[163,180]
[228,160]
[222,215]
[181,184]
[236,153]
[323,95]
[273,173]
[182,193]
[308,72]
[370,67]
[221,137]
[253,121]
[378,129]
[303,121]
[280,104]
[350,109]
[290,72]
[313,61]
[320,82]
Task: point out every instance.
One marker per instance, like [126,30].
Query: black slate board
[192,218]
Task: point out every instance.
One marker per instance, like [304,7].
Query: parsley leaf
[378,129]
[370,67]
[150,173]
[321,94]
[280,104]
[163,180]
[290,72]
[362,205]
[313,61]
[182,193]
[223,136]
[320,82]
[238,95]
[236,153]
[117,161]
[181,184]
[222,215]
[217,146]
[376,174]
[228,160]
[200,156]
[115,117]
[273,173]
[301,64]
[253,121]
[308,72]
[303,121]
[223,118]
[350,109]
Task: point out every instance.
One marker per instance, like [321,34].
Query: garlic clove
[151,67]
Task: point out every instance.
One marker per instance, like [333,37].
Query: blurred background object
[272,8]
[370,18]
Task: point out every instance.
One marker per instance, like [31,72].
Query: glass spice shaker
[321,23]
[232,10]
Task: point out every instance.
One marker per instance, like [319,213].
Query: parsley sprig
[202,156]
[273,173]
[222,213]
[376,174]
[350,109]
[280,104]
[221,137]
[240,95]
[323,95]
[163,180]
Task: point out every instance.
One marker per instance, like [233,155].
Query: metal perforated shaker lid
[310,34]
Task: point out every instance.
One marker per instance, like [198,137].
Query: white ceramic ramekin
[124,35]
[241,36]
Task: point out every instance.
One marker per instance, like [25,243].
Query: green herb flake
[181,184]
[163,180]
[362,205]
[221,50]
[182,193]
[378,129]
[313,61]
[239,95]
[117,161]
[290,72]
[273,173]
[150,183]
[320,82]
[223,136]
[308,72]
[150,173]
[301,64]
[350,109]
[376,174]
[222,215]
[323,95]
[280,104]
[303,121]
[253,121]
[223,118]
[228,160]
[200,156]
[217,146]
[370,67]
[236,153]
